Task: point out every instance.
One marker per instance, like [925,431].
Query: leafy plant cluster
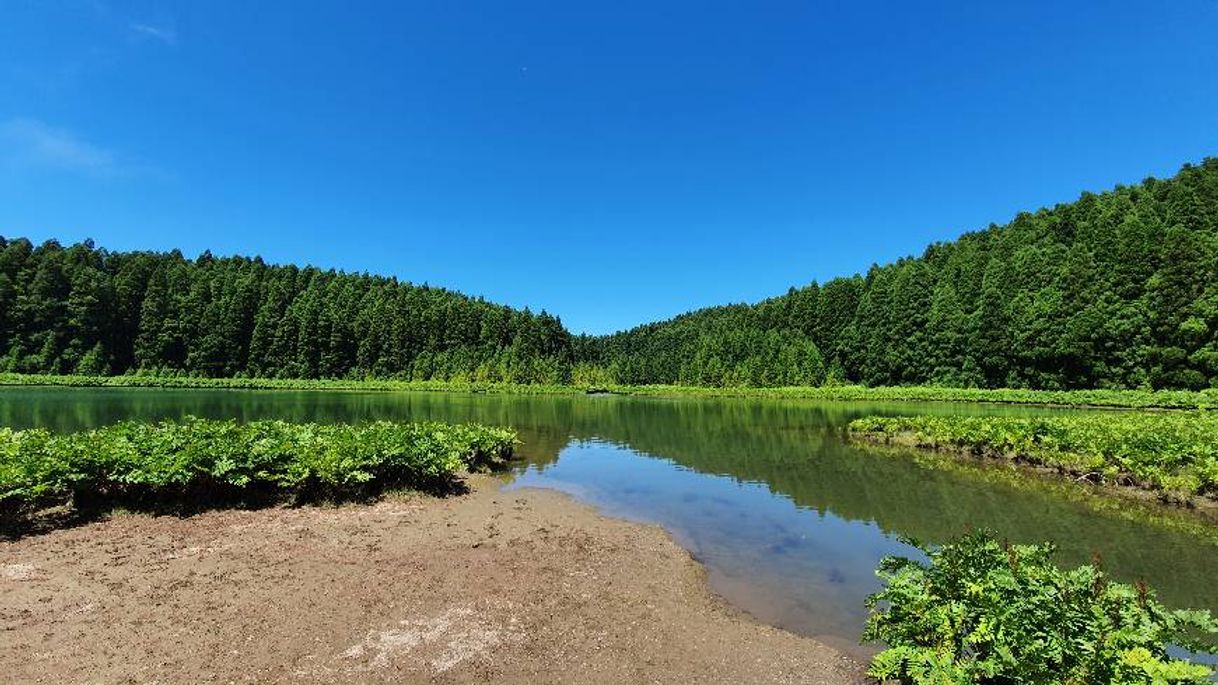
[200,458]
[1172,451]
[983,611]
[176,380]
[1134,399]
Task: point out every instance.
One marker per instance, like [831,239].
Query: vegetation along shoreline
[1107,398]
[1170,457]
[194,464]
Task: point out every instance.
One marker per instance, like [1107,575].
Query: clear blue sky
[610,162]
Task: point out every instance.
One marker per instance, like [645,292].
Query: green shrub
[986,612]
[1173,451]
[171,459]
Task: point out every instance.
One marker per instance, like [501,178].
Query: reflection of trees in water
[794,448]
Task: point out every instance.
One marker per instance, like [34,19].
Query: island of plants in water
[1175,453]
[196,461]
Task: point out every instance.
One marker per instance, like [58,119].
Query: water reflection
[788,565]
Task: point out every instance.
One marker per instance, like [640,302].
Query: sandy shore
[525,586]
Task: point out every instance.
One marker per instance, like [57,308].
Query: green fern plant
[983,611]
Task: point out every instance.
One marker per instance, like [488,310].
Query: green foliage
[586,378]
[169,459]
[1117,290]
[982,611]
[1175,452]
[144,380]
[90,311]
[1133,399]
[720,349]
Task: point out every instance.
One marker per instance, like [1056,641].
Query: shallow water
[789,519]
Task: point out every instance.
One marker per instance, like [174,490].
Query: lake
[788,518]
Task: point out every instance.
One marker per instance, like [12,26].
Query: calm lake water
[788,518]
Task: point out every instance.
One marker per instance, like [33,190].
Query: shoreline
[1204,509]
[525,585]
[1076,399]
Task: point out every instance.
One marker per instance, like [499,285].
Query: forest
[1115,290]
[85,310]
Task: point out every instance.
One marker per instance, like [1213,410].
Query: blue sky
[612,163]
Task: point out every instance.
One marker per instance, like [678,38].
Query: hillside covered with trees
[86,310]
[1118,289]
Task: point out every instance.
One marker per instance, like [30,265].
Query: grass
[1132,399]
[1126,399]
[1175,453]
[196,461]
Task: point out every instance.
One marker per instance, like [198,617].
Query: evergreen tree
[1117,289]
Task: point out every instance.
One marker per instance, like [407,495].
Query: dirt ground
[519,587]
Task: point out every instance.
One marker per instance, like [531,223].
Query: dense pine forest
[86,310]
[1118,289]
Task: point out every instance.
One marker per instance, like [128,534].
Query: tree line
[1114,290]
[86,310]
